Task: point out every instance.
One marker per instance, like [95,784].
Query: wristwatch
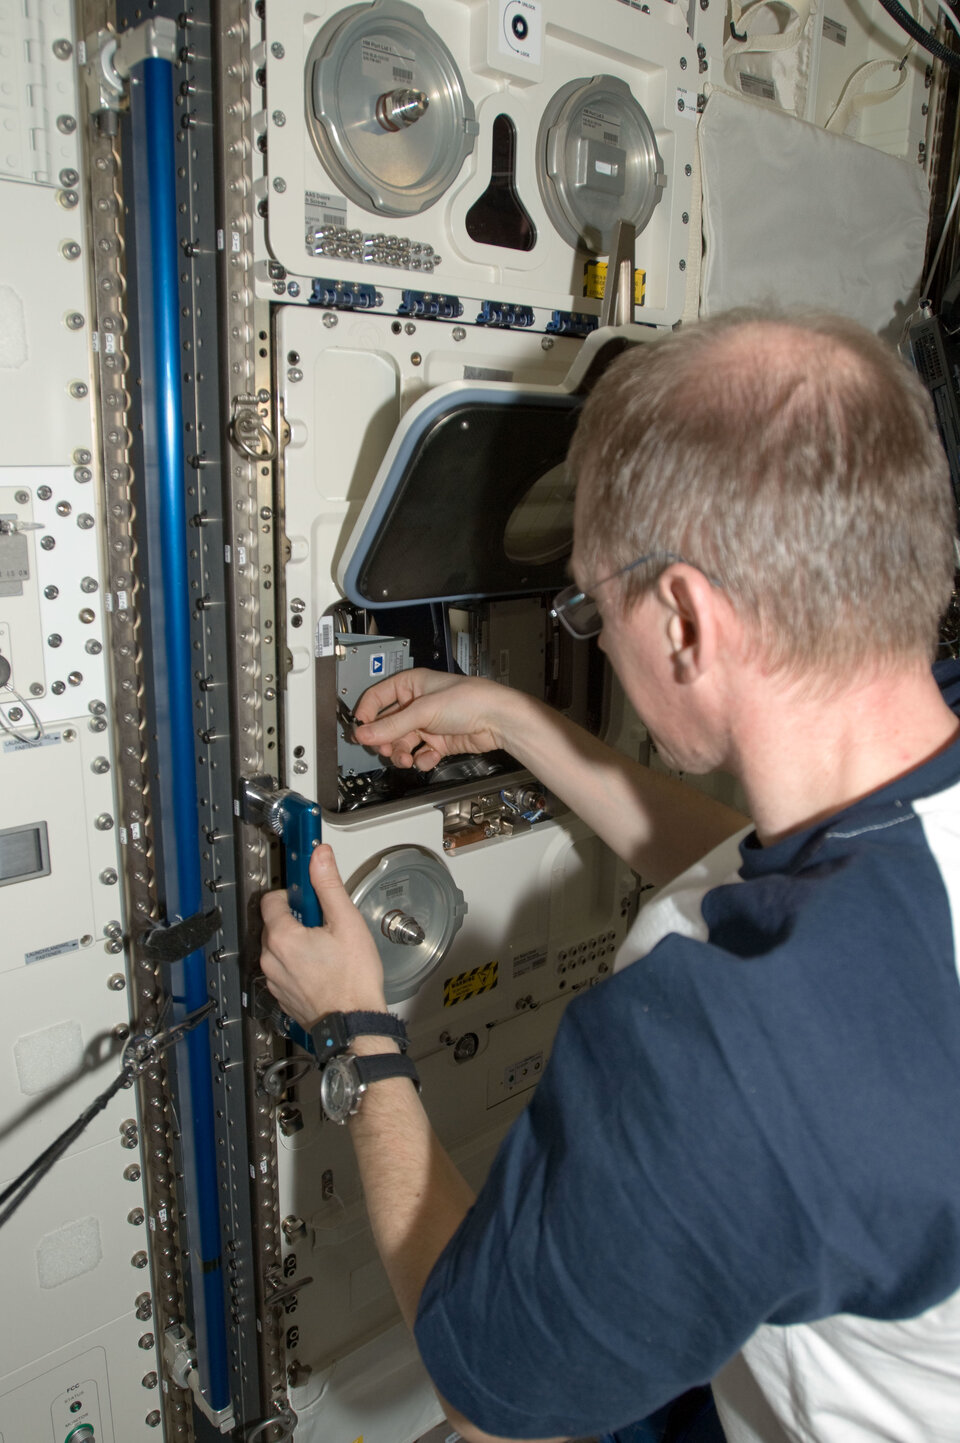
[334,1033]
[346,1078]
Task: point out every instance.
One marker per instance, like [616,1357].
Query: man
[743,1162]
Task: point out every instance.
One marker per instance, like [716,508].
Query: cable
[925,288]
[906,22]
[41,1165]
[14,731]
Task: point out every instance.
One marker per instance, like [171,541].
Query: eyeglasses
[577,610]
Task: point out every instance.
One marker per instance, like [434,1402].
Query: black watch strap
[333,1033]
[380,1066]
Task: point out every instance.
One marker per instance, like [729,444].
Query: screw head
[47,543]
[99,766]
[93,647]
[62,49]
[145,1340]
[152,1419]
[293,289]
[104,822]
[135,1217]
[279,184]
[109,877]
[78,390]
[64,508]
[70,251]
[140,1260]
[459,333]
[132,1173]
[15,714]
[277,50]
[683,62]
[54,639]
[69,199]
[117,982]
[66,124]
[75,321]
[82,456]
[51,592]
[683,265]
[58,688]
[149,1380]
[85,521]
[279,118]
[36,688]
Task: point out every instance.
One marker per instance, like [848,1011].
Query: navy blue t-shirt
[759,1127]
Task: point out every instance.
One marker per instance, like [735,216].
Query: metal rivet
[294,374]
[66,124]
[87,615]
[330,319]
[68,734]
[459,333]
[416,359]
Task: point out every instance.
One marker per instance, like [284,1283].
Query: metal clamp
[142,1051]
[249,432]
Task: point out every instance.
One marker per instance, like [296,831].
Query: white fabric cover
[795,216]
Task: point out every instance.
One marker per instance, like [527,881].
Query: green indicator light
[76,1406]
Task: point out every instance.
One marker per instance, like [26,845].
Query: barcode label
[325,645]
[334,218]
[399,74]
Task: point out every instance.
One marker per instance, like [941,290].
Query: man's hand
[315,970]
[417,717]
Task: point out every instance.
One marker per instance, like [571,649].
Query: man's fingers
[274,907]
[331,893]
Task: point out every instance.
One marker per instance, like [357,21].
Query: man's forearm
[658,825]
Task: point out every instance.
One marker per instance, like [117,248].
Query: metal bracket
[113,56]
[180,1356]
[617,309]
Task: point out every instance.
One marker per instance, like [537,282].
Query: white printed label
[520,30]
[833,30]
[594,125]
[56,950]
[382,60]
[220,238]
[325,643]
[687,102]
[758,86]
[327,210]
[122,601]
[235,242]
[109,343]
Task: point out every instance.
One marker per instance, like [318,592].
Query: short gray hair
[795,459]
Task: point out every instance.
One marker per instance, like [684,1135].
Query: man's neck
[802,758]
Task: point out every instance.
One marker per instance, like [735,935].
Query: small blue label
[376,664]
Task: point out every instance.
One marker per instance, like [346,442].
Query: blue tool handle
[301,834]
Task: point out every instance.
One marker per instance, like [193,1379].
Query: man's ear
[691,621]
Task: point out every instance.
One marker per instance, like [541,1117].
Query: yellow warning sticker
[470,984]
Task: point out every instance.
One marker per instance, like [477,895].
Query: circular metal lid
[597,162]
[414,909]
[386,107]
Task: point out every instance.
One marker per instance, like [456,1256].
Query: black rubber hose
[917,32]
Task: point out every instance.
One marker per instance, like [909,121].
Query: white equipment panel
[544,910]
[402,141]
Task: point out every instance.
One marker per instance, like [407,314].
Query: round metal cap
[418,886]
[597,162]
[386,107]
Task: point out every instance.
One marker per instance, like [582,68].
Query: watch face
[338,1089]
